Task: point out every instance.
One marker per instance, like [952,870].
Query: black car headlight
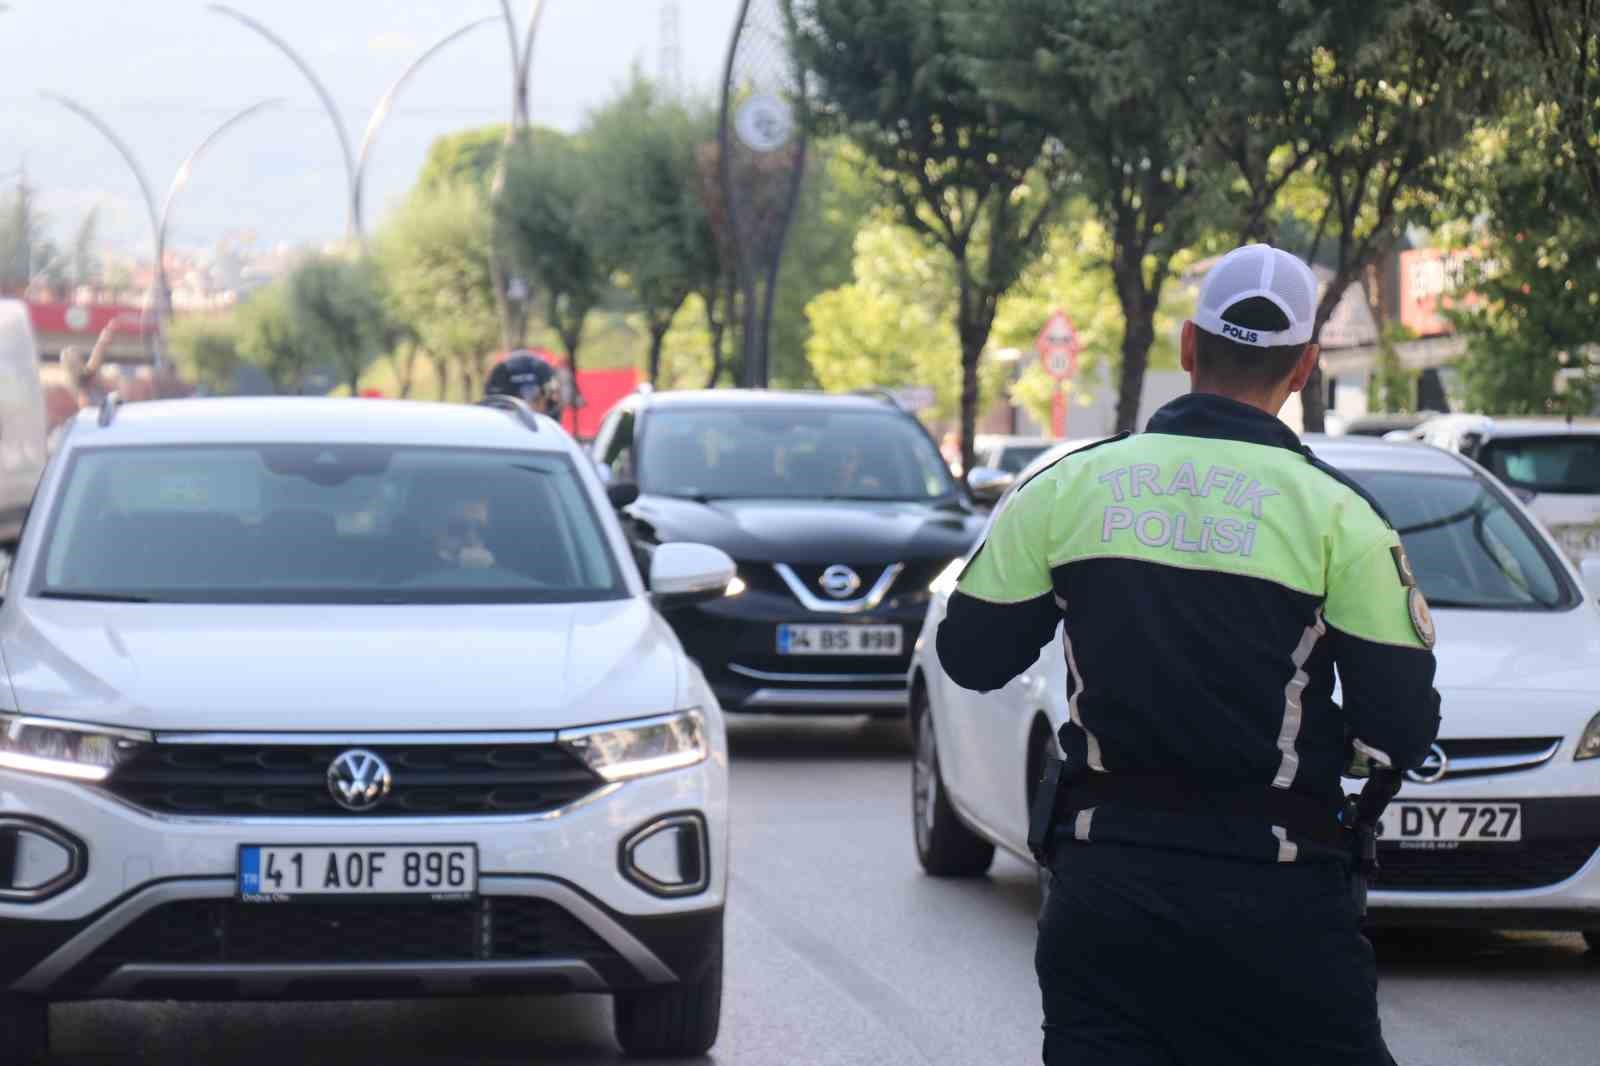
[73,750]
[647,746]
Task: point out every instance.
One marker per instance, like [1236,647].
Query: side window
[618,453]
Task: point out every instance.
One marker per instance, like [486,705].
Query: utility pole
[511,293]
[355,163]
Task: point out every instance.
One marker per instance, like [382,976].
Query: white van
[22,418]
[1552,463]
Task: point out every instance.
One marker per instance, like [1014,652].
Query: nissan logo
[840,582]
[359,780]
[1433,768]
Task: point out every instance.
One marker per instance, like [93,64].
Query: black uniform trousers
[1164,958]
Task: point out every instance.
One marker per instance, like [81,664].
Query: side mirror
[621,493]
[1590,569]
[989,484]
[681,574]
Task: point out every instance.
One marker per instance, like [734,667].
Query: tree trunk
[658,338]
[718,328]
[1138,335]
[572,340]
[974,318]
[1314,400]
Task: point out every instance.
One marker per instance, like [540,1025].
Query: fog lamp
[668,857]
[36,861]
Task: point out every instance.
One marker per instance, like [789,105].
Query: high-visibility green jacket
[1211,575]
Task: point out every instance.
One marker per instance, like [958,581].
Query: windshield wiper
[92,597]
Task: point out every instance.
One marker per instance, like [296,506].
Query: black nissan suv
[837,508]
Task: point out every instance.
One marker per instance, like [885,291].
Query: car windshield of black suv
[1467,548]
[325,524]
[1563,464]
[790,453]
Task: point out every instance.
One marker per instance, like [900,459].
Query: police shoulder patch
[1421,617]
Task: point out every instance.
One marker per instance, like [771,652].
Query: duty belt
[1307,817]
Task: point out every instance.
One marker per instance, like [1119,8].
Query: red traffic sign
[1058,346]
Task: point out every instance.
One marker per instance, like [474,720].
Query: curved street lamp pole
[159,301]
[354,164]
[511,292]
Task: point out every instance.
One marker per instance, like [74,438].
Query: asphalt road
[841,952]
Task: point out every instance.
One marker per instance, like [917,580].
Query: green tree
[434,257]
[647,215]
[24,239]
[966,172]
[1382,118]
[206,350]
[269,341]
[547,220]
[1088,80]
[339,313]
[464,156]
[1535,316]
[1559,48]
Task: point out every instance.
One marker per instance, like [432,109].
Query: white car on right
[1552,464]
[1501,826]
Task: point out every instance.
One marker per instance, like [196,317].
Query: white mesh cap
[1259,270]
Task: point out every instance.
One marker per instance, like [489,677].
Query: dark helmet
[530,379]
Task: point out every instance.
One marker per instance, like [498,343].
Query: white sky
[165,72]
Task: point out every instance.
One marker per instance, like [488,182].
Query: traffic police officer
[1211,574]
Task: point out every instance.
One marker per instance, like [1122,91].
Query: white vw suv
[313,699]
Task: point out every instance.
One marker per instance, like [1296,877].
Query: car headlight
[633,749]
[1589,743]
[945,583]
[66,749]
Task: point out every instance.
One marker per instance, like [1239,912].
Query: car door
[995,730]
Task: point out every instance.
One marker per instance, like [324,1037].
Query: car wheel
[24,1030]
[945,847]
[676,1021]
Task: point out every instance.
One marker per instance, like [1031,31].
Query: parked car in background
[1553,465]
[1380,425]
[1499,828]
[1009,454]
[989,484]
[23,425]
[840,513]
[309,702]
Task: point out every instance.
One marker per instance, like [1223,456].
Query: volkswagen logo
[359,780]
[1433,768]
[840,582]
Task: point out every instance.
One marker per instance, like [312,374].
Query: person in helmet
[530,379]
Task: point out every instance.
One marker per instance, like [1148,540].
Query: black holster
[1045,811]
[1360,818]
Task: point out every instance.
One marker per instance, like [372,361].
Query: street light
[355,164]
[510,293]
[160,299]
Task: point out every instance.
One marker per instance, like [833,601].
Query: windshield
[1466,547]
[790,453]
[325,524]
[1569,464]
[1014,458]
